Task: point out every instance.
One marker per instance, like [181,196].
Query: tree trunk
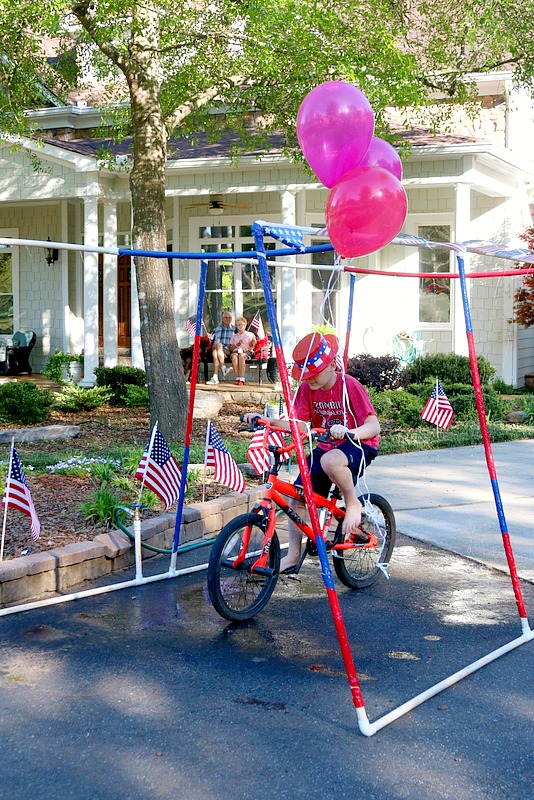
[165,375]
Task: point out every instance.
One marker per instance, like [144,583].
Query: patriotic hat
[312,354]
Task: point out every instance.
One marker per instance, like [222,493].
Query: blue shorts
[355,454]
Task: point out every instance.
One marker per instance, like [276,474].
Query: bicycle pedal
[311,549]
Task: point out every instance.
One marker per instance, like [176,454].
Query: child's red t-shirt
[326,407]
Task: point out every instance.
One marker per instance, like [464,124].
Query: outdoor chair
[15,353]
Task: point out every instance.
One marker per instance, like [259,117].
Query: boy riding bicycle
[329,399]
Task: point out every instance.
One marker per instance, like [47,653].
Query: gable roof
[182,149]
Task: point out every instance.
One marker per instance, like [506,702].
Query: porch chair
[15,353]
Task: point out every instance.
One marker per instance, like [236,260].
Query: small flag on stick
[159,471]
[438,411]
[226,470]
[190,326]
[257,326]
[258,455]
[17,495]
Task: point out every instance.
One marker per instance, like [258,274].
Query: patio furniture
[15,353]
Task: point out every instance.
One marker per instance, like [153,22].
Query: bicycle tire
[359,568]
[237,594]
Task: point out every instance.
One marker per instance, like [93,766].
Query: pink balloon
[365,210]
[334,117]
[382,154]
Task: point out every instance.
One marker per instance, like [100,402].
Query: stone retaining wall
[42,575]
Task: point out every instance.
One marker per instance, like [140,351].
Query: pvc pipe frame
[370,728]
[366,727]
[139,580]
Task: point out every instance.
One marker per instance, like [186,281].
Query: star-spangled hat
[312,354]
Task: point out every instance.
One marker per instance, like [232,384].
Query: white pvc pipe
[53,601]
[137,546]
[84,248]
[370,728]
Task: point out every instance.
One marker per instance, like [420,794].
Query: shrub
[528,406]
[117,379]
[462,398]
[378,372]
[99,506]
[136,396]
[24,402]
[503,388]
[75,398]
[449,368]
[399,406]
[59,359]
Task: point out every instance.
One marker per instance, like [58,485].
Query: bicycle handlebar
[317,434]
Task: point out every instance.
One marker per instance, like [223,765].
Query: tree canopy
[163,67]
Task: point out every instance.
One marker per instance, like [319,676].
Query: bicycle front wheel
[360,567]
[236,593]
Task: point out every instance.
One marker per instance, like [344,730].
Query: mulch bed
[57,497]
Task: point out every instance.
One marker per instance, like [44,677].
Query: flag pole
[437,407]
[150,446]
[6,495]
[208,426]
[189,420]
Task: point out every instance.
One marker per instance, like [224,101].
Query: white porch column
[288,285]
[64,262]
[462,224]
[136,348]
[109,288]
[90,292]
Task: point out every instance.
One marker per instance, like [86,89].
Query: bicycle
[245,559]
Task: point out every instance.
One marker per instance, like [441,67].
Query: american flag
[257,326]
[190,326]
[217,456]
[17,495]
[159,471]
[438,410]
[291,236]
[257,453]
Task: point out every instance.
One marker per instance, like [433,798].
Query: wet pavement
[148,693]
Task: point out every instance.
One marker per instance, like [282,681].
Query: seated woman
[241,346]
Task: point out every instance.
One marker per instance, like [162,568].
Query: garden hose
[183,549]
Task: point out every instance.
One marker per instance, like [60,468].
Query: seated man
[220,338]
[330,399]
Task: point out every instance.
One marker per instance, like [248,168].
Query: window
[231,286]
[435,293]
[6,293]
[324,281]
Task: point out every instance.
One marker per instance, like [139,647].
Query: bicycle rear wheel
[359,567]
[236,593]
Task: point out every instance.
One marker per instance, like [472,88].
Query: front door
[124,302]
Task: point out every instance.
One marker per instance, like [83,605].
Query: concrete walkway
[445,497]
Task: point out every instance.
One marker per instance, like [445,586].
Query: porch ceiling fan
[217,206]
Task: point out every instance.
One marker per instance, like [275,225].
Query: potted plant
[64,367]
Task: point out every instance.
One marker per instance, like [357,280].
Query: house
[468,184]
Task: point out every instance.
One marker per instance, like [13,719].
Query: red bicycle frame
[275,493]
